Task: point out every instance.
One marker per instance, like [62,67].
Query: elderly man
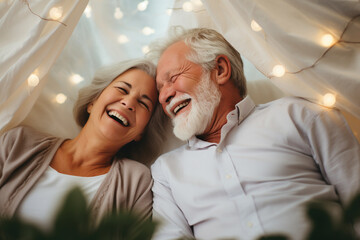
[246,170]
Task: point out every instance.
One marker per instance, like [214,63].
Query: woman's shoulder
[129,163]
[23,131]
[25,136]
[133,168]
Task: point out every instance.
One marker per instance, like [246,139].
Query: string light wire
[46,19]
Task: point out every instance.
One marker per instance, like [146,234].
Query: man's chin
[181,129]
[182,135]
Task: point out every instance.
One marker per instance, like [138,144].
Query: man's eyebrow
[165,76]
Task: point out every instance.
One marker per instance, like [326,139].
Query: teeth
[178,107]
[119,117]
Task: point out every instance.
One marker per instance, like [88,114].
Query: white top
[271,160]
[42,203]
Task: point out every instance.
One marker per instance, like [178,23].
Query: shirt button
[250,224]
[228,176]
[219,150]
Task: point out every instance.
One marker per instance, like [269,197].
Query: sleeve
[173,224]
[7,141]
[337,152]
[143,203]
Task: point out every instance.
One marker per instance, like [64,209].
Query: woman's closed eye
[145,105]
[123,90]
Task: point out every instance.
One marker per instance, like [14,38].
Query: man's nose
[166,94]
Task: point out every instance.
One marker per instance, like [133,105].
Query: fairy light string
[340,40]
[46,19]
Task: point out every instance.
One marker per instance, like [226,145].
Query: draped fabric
[287,33]
[30,43]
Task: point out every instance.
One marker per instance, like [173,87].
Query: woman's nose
[129,103]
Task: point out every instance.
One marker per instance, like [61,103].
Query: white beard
[207,98]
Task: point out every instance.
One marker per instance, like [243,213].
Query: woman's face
[123,109]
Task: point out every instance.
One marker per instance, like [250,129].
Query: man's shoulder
[173,153]
[292,103]
[170,158]
[294,109]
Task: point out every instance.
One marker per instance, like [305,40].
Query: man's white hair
[205,45]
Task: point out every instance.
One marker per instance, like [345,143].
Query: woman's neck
[83,156]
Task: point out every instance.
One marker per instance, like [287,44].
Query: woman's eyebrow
[128,84]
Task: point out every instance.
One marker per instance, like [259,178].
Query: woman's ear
[89,107]
[222,69]
[138,138]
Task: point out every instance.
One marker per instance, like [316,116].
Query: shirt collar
[241,111]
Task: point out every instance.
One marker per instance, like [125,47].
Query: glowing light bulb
[188,6]
[60,98]
[327,40]
[122,39]
[169,12]
[76,79]
[147,31]
[118,14]
[329,99]
[33,80]
[197,3]
[255,26]
[87,11]
[142,5]
[278,70]
[56,13]
[145,49]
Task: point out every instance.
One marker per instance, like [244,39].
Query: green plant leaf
[125,225]
[73,219]
[16,229]
[352,212]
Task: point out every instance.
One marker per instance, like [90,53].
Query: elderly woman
[37,170]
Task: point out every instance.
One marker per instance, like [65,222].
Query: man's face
[187,95]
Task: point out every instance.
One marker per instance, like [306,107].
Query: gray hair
[206,45]
[153,136]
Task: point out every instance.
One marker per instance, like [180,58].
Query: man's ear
[222,69]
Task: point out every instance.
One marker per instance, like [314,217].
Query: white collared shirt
[271,160]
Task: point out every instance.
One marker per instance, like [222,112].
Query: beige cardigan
[25,154]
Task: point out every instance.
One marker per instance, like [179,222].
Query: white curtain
[30,42]
[287,33]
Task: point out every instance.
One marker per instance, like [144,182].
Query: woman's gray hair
[153,136]
[205,44]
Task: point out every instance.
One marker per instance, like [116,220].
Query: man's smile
[181,106]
